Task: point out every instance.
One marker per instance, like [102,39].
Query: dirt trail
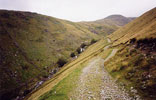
[90,75]
[95,83]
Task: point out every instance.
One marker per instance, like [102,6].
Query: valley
[46,58]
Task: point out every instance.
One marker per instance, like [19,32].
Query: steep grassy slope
[134,70]
[30,46]
[107,25]
[142,27]
[134,65]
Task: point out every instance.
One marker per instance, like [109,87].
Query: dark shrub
[143,41]
[45,76]
[61,62]
[55,71]
[72,55]
[6,96]
[93,41]
[133,40]
[25,67]
[26,92]
[147,42]
[78,50]
[83,45]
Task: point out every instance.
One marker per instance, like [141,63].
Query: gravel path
[90,75]
[95,83]
[109,89]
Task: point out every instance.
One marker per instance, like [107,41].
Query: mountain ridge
[107,25]
[116,19]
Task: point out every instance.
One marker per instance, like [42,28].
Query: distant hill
[142,27]
[30,46]
[108,25]
[118,20]
[131,18]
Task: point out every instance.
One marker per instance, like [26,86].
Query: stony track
[95,83]
[109,88]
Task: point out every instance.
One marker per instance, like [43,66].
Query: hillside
[134,64]
[142,27]
[118,20]
[108,25]
[30,47]
[121,69]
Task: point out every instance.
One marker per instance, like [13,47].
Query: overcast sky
[81,10]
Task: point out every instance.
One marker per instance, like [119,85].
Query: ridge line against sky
[81,10]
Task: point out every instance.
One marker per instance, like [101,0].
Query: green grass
[130,68]
[63,88]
